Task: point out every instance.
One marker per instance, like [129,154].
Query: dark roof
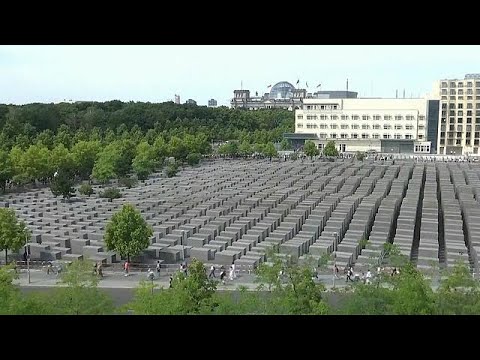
[300,136]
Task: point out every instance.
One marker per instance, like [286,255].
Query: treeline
[69,123]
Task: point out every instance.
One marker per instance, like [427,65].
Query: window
[452,84]
[444,84]
[469,127]
[469,84]
[334,117]
[333,135]
[452,127]
[344,126]
[420,137]
[323,126]
[343,136]
[387,117]
[452,120]
[469,120]
[323,117]
[468,134]
[477,120]
[460,106]
[354,136]
[409,136]
[459,134]
[420,117]
[469,92]
[313,117]
[458,142]
[452,112]
[460,92]
[460,120]
[398,127]
[452,92]
[450,142]
[397,136]
[322,135]
[460,84]
[376,136]
[355,126]
[333,126]
[376,126]
[386,136]
[377,117]
[444,98]
[442,134]
[365,117]
[299,125]
[452,98]
[344,117]
[387,126]
[477,106]
[421,127]
[444,91]
[365,127]
[468,142]
[477,134]
[408,127]
[365,136]
[459,128]
[444,106]
[469,112]
[355,117]
[399,117]
[410,117]
[477,83]
[476,142]
[460,113]
[442,141]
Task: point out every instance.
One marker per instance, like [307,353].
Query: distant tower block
[177,99]
[212,103]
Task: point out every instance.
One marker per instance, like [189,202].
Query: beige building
[459,114]
[384,125]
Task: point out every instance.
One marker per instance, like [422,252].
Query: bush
[86,189]
[127,182]
[294,156]
[111,193]
[193,159]
[172,170]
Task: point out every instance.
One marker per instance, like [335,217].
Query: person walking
[126,267]
[212,272]
[158,267]
[100,270]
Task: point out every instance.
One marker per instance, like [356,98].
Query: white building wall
[369,120]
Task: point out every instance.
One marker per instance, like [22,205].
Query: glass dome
[282,90]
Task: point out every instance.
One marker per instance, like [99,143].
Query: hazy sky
[155,73]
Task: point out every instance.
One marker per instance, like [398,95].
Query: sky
[155,73]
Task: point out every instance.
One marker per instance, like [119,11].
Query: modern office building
[212,103]
[362,124]
[177,99]
[282,95]
[459,114]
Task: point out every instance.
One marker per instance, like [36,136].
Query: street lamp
[181,243]
[335,244]
[27,252]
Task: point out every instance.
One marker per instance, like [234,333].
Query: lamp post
[335,243]
[181,243]
[27,251]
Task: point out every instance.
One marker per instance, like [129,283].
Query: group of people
[223,273]
[98,269]
[352,276]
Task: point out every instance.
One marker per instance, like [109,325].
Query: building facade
[191,102]
[177,99]
[282,95]
[383,125]
[459,114]
[212,103]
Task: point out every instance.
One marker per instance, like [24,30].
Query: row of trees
[310,149]
[66,123]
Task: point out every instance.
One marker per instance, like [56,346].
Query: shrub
[127,182]
[193,159]
[111,193]
[86,189]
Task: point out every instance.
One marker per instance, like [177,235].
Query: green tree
[193,159]
[9,293]
[105,167]
[127,232]
[269,150]
[330,149]
[191,294]
[172,169]
[144,162]
[84,154]
[62,184]
[6,169]
[310,149]
[80,295]
[285,145]
[13,233]
[245,148]
[60,158]
[458,293]
[177,149]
